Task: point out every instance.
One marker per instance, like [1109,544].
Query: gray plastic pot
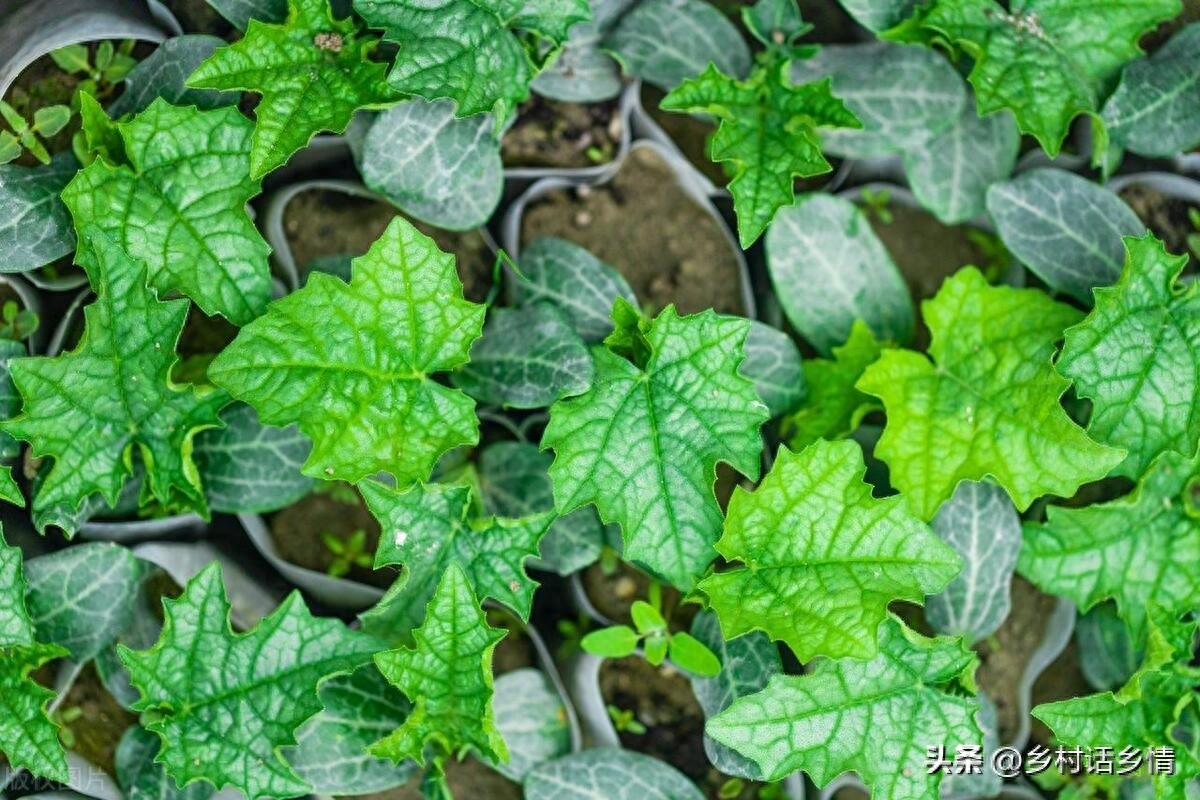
[1177,187]
[686,177]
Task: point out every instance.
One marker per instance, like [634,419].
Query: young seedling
[347,554]
[25,135]
[625,720]
[17,324]
[101,73]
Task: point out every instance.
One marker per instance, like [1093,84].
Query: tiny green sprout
[572,632]
[64,717]
[996,258]
[876,203]
[625,721]
[18,324]
[596,155]
[731,789]
[347,554]
[101,75]
[28,136]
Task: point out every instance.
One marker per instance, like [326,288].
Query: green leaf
[10,491]
[1046,60]
[773,363]
[805,538]
[775,23]
[180,206]
[532,719]
[475,52]
[1137,358]
[829,269]
[351,364]
[100,135]
[1155,110]
[240,12]
[35,226]
[142,777]
[643,442]
[164,74]
[448,677]
[246,466]
[878,15]
[874,717]
[1108,654]
[610,773]
[428,527]
[80,409]
[583,72]
[834,407]
[1137,549]
[526,358]
[767,133]
[687,653]
[253,690]
[16,628]
[28,737]
[986,400]
[313,73]
[617,641]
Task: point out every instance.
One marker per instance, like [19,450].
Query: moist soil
[557,135]
[1062,680]
[689,133]
[322,223]
[297,530]
[98,729]
[1166,217]
[670,249]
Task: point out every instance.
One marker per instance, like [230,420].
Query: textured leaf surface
[532,720]
[438,168]
[16,628]
[902,95]
[805,539]
[609,773]
[878,15]
[10,398]
[526,358]
[10,492]
[773,363]
[583,72]
[1108,655]
[471,51]
[35,226]
[91,408]
[248,466]
[1155,110]
[834,407]
[665,42]
[448,677]
[164,74]
[141,777]
[253,690]
[982,526]
[829,269]
[1063,227]
[429,527]
[331,751]
[874,717]
[747,663]
[560,272]
[240,12]
[986,400]
[643,442]
[1139,549]
[515,479]
[28,738]
[951,173]
[312,71]
[767,134]
[179,206]
[1046,60]
[351,364]
[1137,358]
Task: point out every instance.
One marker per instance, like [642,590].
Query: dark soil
[1062,680]
[514,651]
[322,223]
[468,779]
[667,247]
[689,133]
[197,16]
[297,531]
[204,335]
[98,729]
[548,133]
[1166,217]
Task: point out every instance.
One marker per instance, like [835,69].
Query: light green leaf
[240,12]
[35,226]
[81,409]
[950,174]
[665,42]
[773,363]
[515,480]
[1046,60]
[531,718]
[560,272]
[448,677]
[527,358]
[16,628]
[179,206]
[82,598]
[10,492]
[829,269]
[142,778]
[617,641]
[775,23]
[834,407]
[1155,110]
[351,363]
[1063,227]
[313,73]
[1137,358]
[429,527]
[982,526]
[164,74]
[1138,549]
[642,444]
[438,168]
[331,751]
[10,398]
[28,737]
[805,539]
[767,133]
[250,467]
[609,773]
[475,52]
[253,689]
[986,400]
[874,717]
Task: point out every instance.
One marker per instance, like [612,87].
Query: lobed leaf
[28,737]
[164,74]
[142,777]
